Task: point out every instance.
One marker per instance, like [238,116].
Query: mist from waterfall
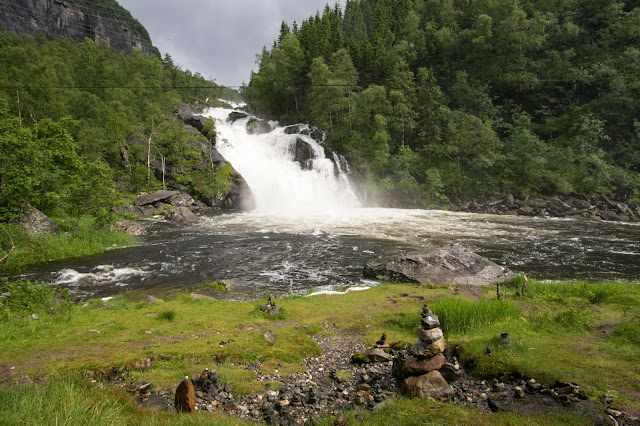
[281,185]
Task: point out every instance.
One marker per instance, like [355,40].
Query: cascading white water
[279,184]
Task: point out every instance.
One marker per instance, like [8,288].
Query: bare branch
[13,246]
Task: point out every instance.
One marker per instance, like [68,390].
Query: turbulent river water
[308,233]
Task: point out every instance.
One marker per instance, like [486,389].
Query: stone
[303,153]
[270,337]
[196,296]
[236,115]
[182,214]
[185,397]
[429,336]
[131,227]
[430,385]
[504,339]
[257,127]
[34,221]
[454,265]
[376,355]
[144,199]
[149,299]
[181,200]
[430,321]
[416,367]
[450,373]
[428,350]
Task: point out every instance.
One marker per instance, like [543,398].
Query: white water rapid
[280,185]
[309,234]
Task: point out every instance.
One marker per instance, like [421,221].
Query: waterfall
[288,171]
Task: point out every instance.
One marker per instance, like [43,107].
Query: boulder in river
[454,265]
[182,214]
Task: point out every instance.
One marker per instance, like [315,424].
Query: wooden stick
[13,246]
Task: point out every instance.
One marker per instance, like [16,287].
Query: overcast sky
[218,38]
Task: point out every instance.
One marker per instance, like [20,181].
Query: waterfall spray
[287,170]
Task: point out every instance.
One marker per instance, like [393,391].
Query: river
[309,233]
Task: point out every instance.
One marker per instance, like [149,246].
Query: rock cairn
[270,307]
[418,368]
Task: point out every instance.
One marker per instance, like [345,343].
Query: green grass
[32,249]
[555,331]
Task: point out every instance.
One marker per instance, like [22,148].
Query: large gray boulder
[454,265]
[153,197]
[182,214]
[36,222]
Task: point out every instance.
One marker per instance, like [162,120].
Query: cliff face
[103,20]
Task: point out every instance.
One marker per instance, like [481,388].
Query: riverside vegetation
[433,100]
[84,129]
[579,332]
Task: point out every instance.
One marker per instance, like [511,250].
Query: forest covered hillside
[81,126]
[431,99]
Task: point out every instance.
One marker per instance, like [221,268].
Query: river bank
[104,343]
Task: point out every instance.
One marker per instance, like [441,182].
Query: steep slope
[98,20]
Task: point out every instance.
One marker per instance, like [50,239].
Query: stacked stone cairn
[417,369]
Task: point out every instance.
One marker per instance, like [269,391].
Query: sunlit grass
[32,249]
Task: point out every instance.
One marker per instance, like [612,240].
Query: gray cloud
[219,39]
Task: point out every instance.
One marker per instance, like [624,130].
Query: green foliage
[81,239]
[25,298]
[167,315]
[78,121]
[530,97]
[216,286]
[461,316]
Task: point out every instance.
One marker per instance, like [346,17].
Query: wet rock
[257,127]
[455,265]
[303,154]
[144,199]
[430,385]
[185,400]
[236,115]
[182,214]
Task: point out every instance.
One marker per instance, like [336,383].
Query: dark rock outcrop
[594,207]
[77,21]
[454,265]
[303,154]
[236,115]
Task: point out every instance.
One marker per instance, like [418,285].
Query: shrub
[168,315]
[24,297]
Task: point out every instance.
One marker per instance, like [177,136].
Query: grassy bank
[575,332]
[33,249]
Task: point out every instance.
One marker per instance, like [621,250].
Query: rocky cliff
[100,21]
